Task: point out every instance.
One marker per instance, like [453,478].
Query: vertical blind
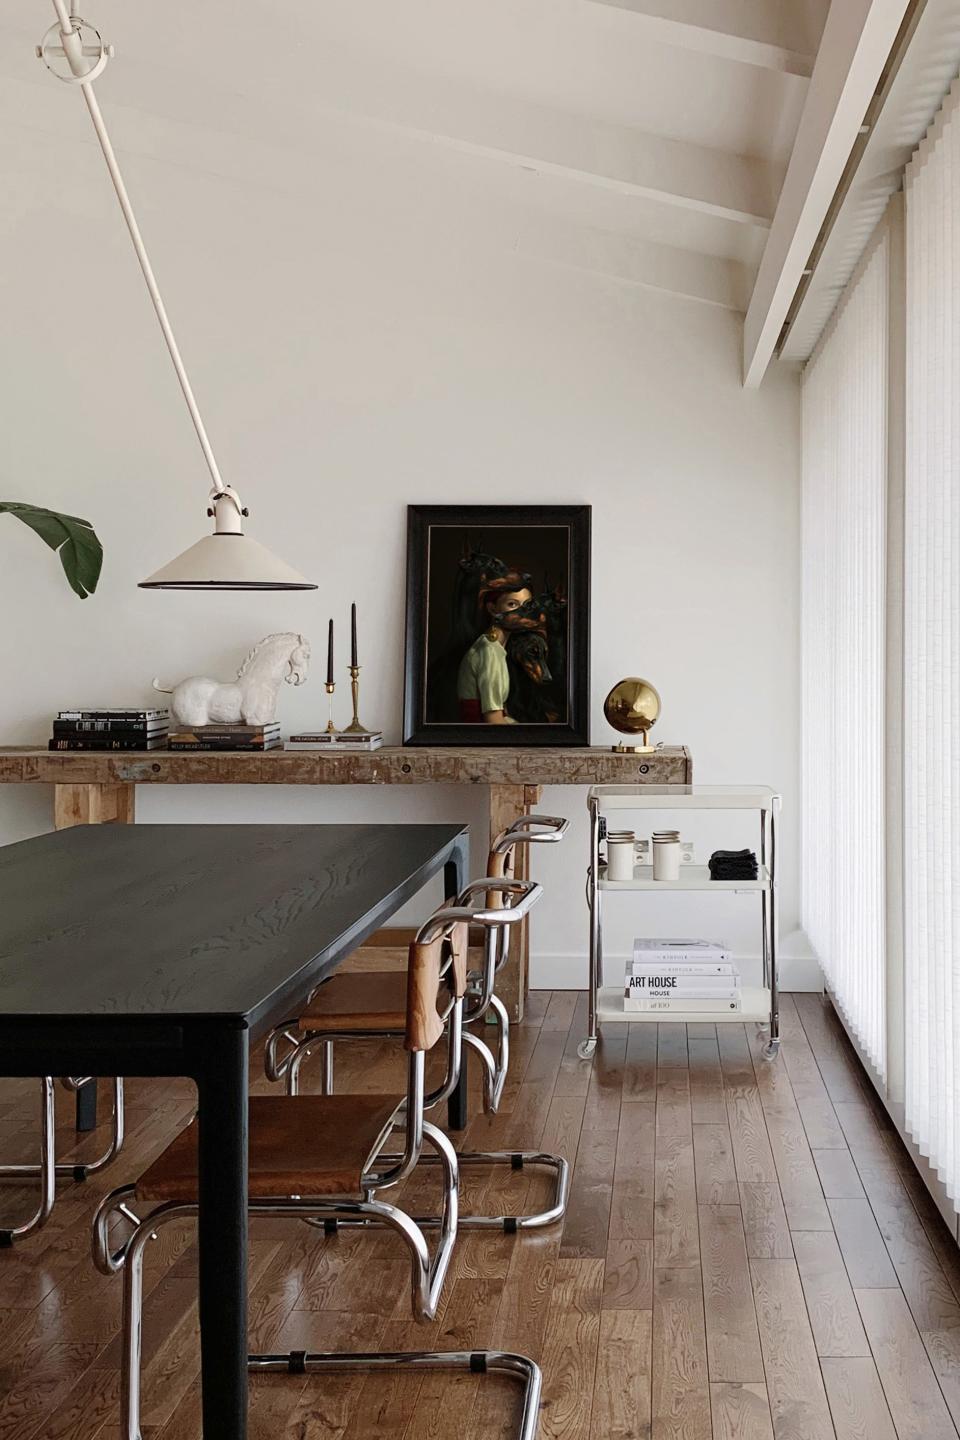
[931,639]
[843,646]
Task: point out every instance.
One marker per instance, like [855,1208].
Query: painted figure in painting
[483,679]
[502,630]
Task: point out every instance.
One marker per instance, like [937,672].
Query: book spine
[664,992]
[706,1006]
[644,954]
[674,967]
[212,746]
[129,716]
[697,985]
[666,979]
[316,745]
[233,732]
[123,729]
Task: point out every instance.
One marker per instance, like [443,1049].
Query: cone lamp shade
[227,559]
[74,51]
[227,562]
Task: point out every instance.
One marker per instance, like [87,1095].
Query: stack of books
[226,737]
[687,976]
[103,728]
[335,740]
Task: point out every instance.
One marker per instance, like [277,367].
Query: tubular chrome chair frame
[482,1001]
[527,830]
[130,1260]
[48,1171]
[480,997]
[427,1273]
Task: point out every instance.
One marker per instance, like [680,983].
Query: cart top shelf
[683,797]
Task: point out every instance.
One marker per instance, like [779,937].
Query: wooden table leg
[93,805]
[508,803]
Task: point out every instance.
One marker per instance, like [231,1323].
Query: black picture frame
[430,532]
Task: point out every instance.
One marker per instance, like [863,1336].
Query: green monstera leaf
[74,540]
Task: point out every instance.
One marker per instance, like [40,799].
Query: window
[931,640]
[844,645]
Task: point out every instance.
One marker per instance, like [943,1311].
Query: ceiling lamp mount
[74,51]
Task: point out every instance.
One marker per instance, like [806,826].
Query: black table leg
[453,882]
[86,1106]
[222,1078]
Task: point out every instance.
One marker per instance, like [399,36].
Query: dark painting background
[542,551]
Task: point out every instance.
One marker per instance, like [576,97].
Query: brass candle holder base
[355,728]
[330,687]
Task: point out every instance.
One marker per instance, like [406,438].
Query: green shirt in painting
[484,676]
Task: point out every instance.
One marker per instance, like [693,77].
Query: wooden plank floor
[748,1255]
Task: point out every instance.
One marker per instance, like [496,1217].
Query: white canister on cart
[666,855]
[621,854]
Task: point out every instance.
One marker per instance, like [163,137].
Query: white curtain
[932,647]
[843,644]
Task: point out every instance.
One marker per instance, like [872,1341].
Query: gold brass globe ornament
[632,708]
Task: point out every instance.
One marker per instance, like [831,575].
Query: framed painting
[498,625]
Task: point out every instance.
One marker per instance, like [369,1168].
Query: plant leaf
[74,540]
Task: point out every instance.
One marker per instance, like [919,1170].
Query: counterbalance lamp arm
[222,495]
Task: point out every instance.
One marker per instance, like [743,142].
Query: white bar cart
[759,1003]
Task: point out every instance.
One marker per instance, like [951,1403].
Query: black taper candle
[330,654]
[353,634]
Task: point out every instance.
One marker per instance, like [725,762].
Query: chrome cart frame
[760,1004]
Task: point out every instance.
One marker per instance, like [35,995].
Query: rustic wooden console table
[99,787]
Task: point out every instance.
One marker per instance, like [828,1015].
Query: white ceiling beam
[46,152]
[753,32]
[500,128]
[639,264]
[857,40]
[629,162]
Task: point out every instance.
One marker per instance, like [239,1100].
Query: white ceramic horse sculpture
[252,698]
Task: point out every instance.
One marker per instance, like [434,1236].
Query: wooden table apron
[168,1031]
[94,788]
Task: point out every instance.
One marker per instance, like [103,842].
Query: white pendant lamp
[228,559]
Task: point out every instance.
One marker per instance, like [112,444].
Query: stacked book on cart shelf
[103,728]
[226,737]
[686,976]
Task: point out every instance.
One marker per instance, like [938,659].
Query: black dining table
[168,950]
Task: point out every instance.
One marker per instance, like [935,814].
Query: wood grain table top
[176,921]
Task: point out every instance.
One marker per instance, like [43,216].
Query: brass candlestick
[355,728]
[330,687]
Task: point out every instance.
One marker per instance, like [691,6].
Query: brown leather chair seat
[361,1001]
[310,1145]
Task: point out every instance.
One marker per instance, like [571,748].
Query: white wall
[357,344]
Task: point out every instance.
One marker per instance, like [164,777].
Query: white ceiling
[646,140]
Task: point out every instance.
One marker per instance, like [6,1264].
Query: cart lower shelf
[754,1000]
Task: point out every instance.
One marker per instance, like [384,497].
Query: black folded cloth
[733,865]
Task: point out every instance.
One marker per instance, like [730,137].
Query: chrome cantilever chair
[365,1005]
[482,1003]
[48,1171]
[321,1158]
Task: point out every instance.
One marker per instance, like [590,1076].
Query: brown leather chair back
[499,867]
[436,975]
